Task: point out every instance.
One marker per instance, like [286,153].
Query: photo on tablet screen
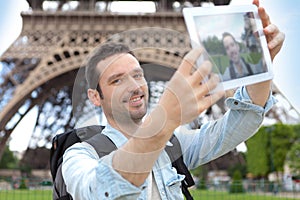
[234,42]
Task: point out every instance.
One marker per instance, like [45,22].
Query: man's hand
[273,35]
[259,92]
[185,96]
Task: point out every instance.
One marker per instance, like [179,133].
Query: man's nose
[133,84]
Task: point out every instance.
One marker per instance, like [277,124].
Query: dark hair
[225,34]
[92,74]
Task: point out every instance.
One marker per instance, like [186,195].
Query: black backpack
[89,134]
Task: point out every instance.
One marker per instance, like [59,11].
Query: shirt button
[106,194]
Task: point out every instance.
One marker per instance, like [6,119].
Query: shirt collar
[116,136]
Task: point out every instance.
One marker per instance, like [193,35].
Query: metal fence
[38,189]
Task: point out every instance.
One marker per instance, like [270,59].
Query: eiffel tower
[40,69]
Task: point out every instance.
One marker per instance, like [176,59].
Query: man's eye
[138,76]
[116,81]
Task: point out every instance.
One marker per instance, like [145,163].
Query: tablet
[234,42]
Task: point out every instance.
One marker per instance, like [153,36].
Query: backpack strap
[248,67]
[66,197]
[63,141]
[102,144]
[87,132]
[59,187]
[232,72]
[175,154]
[59,145]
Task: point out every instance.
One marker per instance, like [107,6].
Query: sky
[285,14]
[228,22]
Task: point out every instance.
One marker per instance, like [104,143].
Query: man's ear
[94,97]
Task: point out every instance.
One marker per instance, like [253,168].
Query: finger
[189,60]
[203,71]
[265,19]
[209,100]
[209,85]
[275,44]
[271,29]
[274,36]
[256,2]
[271,32]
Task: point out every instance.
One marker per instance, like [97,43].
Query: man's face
[232,49]
[124,88]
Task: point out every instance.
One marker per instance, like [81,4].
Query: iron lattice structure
[40,68]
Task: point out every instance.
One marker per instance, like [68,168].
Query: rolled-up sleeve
[88,177]
[215,138]
[242,95]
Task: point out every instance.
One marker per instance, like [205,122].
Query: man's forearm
[259,92]
[134,161]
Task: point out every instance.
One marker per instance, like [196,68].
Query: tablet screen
[234,42]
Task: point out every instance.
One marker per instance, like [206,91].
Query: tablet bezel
[190,16]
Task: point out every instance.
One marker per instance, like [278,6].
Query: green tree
[236,185]
[267,150]
[294,153]
[293,158]
[8,161]
[238,167]
[296,129]
[213,45]
[282,138]
[256,155]
[23,184]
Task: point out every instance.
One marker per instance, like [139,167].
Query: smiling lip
[136,100]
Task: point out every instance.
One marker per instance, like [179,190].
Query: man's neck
[128,129]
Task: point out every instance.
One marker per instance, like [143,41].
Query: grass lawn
[197,194]
[222,61]
[25,194]
[217,195]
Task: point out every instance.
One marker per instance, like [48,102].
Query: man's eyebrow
[118,75]
[114,76]
[137,70]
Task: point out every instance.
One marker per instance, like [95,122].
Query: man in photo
[250,35]
[238,67]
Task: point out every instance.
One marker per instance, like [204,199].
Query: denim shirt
[88,177]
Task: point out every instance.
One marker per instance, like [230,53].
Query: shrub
[236,185]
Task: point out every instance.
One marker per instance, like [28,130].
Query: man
[238,67]
[250,37]
[140,168]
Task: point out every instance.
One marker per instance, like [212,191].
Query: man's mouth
[136,100]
